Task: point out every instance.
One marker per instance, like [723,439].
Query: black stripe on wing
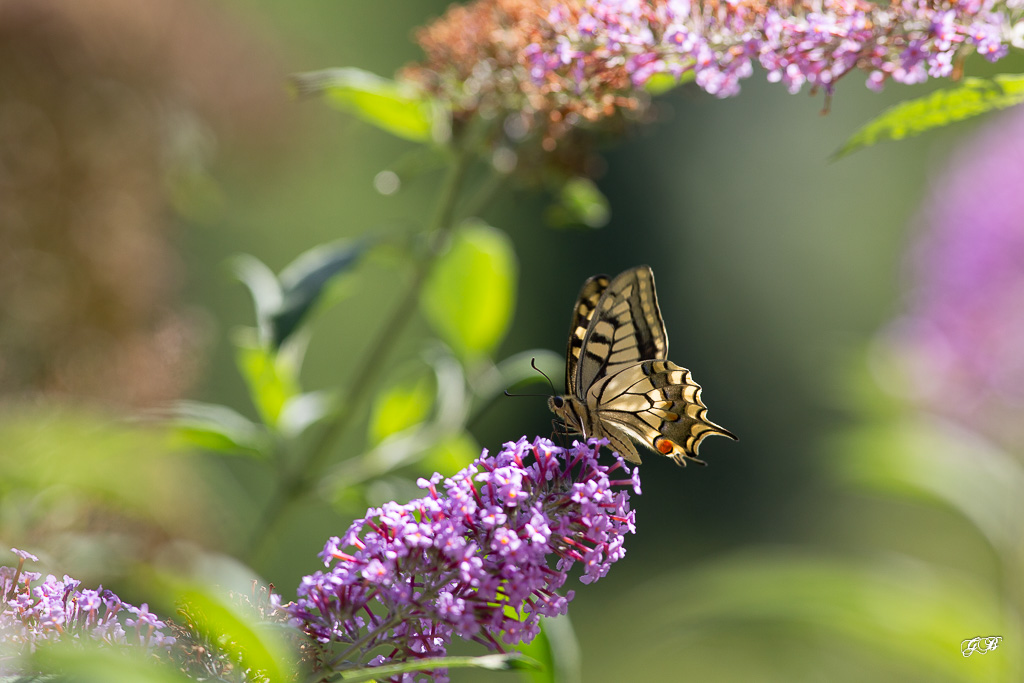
[625,327]
[660,404]
[590,294]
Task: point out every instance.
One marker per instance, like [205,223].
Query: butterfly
[619,383]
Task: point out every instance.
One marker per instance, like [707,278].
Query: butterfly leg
[560,432]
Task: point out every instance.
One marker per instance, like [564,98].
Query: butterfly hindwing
[657,403]
[625,327]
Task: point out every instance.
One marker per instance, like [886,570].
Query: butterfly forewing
[586,302]
[620,384]
[625,328]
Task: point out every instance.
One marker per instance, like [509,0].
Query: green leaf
[940,108]
[264,288]
[307,280]
[304,410]
[399,108]
[661,83]
[283,302]
[271,378]
[506,662]
[234,626]
[557,651]
[217,428]
[470,295]
[580,202]
[400,407]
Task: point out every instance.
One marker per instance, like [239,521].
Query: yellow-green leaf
[940,108]
[580,203]
[662,82]
[394,106]
[270,376]
[470,296]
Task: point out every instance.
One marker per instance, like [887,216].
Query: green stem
[297,479]
[438,231]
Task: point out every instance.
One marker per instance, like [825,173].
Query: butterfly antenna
[533,364]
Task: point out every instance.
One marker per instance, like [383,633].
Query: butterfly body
[620,384]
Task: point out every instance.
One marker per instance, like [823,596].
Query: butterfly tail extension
[676,402]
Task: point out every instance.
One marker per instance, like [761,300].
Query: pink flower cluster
[472,559]
[797,43]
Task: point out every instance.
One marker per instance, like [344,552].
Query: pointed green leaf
[271,378]
[217,428]
[580,203]
[470,295]
[973,97]
[307,280]
[397,107]
[264,288]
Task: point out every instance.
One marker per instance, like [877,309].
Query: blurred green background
[775,268]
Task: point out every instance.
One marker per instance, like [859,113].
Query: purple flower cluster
[796,42]
[472,559]
[35,610]
[964,332]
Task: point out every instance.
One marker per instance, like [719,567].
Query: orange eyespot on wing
[664,446]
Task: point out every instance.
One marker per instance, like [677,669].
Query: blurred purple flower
[964,331]
[555,66]
[471,559]
[797,43]
[35,610]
